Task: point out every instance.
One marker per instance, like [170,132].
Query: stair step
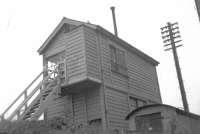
[44,95]
[38,102]
[50,83]
[34,107]
[32,111]
[26,117]
[47,92]
[28,114]
[44,98]
[46,86]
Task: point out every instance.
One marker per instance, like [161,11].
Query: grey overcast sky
[25,25]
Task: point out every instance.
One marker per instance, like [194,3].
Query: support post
[18,114]
[178,70]
[2,117]
[25,96]
[45,65]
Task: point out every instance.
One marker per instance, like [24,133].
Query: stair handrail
[25,93]
[38,96]
[28,98]
[36,116]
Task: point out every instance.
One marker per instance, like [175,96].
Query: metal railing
[21,108]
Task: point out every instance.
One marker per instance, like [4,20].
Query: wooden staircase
[33,102]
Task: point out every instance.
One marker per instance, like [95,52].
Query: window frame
[113,58]
[118,63]
[147,119]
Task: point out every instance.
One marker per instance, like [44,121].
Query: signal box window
[118,63]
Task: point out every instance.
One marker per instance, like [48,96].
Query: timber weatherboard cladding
[72,44]
[141,74]
[80,54]
[75,56]
[93,104]
[117,108]
[141,82]
[91,50]
[79,108]
[59,107]
[86,106]
[87,55]
[142,78]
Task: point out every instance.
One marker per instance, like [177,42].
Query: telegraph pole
[171,36]
[197,3]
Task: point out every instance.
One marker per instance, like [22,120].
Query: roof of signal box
[98,29]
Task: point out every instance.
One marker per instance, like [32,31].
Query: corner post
[45,67]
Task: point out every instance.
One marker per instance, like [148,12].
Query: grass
[53,126]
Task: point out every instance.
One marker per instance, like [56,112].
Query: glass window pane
[149,123]
[113,57]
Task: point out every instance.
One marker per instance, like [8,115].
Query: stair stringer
[39,98]
[31,105]
[45,103]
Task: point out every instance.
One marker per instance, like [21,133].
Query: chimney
[114,20]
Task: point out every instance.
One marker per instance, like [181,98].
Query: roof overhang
[57,29]
[101,30]
[128,46]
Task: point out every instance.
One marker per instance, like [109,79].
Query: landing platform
[79,86]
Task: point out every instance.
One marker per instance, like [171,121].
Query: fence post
[18,114]
[25,96]
[2,117]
